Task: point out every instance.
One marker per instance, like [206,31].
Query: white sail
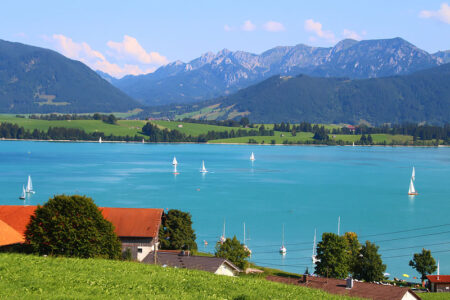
[413,176]
[353,144]
[29,188]
[252,156]
[174,161]
[283,249]
[23,196]
[223,238]
[100,140]
[143,141]
[203,167]
[411,190]
[175,169]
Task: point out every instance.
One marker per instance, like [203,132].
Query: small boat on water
[245,245]
[412,190]
[353,144]
[283,249]
[314,253]
[174,161]
[29,188]
[24,195]
[175,170]
[203,170]
[100,140]
[252,157]
[222,239]
[143,141]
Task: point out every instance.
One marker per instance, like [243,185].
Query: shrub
[72,226]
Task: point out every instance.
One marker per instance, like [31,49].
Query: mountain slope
[37,80]
[443,56]
[213,75]
[422,96]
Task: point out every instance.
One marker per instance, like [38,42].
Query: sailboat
[203,170]
[100,140]
[412,190]
[175,170]
[23,196]
[174,161]
[283,248]
[245,245]
[314,254]
[29,188]
[223,238]
[353,144]
[252,157]
[143,141]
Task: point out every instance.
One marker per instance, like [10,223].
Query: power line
[406,230]
[411,237]
[405,255]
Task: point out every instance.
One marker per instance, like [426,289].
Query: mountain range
[423,96]
[38,80]
[214,75]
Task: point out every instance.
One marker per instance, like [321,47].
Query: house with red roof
[137,228]
[439,283]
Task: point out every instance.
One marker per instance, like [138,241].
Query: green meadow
[34,277]
[133,127]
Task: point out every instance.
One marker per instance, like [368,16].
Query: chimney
[349,282]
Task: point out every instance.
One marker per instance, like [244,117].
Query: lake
[303,187]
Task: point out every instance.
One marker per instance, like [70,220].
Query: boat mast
[339,225]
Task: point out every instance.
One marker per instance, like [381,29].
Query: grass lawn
[123,128]
[194,129]
[33,277]
[301,136]
[434,296]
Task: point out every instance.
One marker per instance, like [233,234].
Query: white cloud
[227,28]
[273,26]
[316,28]
[443,14]
[248,26]
[350,34]
[130,49]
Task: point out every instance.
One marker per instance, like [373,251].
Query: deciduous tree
[234,251]
[424,263]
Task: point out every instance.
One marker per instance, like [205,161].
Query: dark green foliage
[30,76]
[72,226]
[353,248]
[334,256]
[369,266]
[320,134]
[126,255]
[233,251]
[176,231]
[424,263]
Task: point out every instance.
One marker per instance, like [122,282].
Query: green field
[33,277]
[133,127]
[434,296]
[122,128]
[194,129]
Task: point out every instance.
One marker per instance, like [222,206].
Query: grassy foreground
[33,277]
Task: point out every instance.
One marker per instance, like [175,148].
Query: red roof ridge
[442,278]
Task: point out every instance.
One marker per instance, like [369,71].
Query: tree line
[13,131]
[110,119]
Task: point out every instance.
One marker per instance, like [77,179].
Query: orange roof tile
[134,222]
[129,222]
[9,236]
[17,216]
[442,278]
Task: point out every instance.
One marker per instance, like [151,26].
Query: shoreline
[207,143]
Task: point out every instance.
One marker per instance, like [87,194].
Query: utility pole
[155,249]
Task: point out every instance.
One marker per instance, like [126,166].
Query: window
[139,250]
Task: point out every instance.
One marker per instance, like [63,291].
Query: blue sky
[134,37]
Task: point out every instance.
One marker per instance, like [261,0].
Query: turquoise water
[305,188]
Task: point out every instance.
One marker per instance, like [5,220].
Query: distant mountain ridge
[213,75]
[38,80]
[423,96]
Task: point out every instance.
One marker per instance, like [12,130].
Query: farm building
[184,260]
[439,283]
[137,228]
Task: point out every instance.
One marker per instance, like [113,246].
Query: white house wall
[224,270]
